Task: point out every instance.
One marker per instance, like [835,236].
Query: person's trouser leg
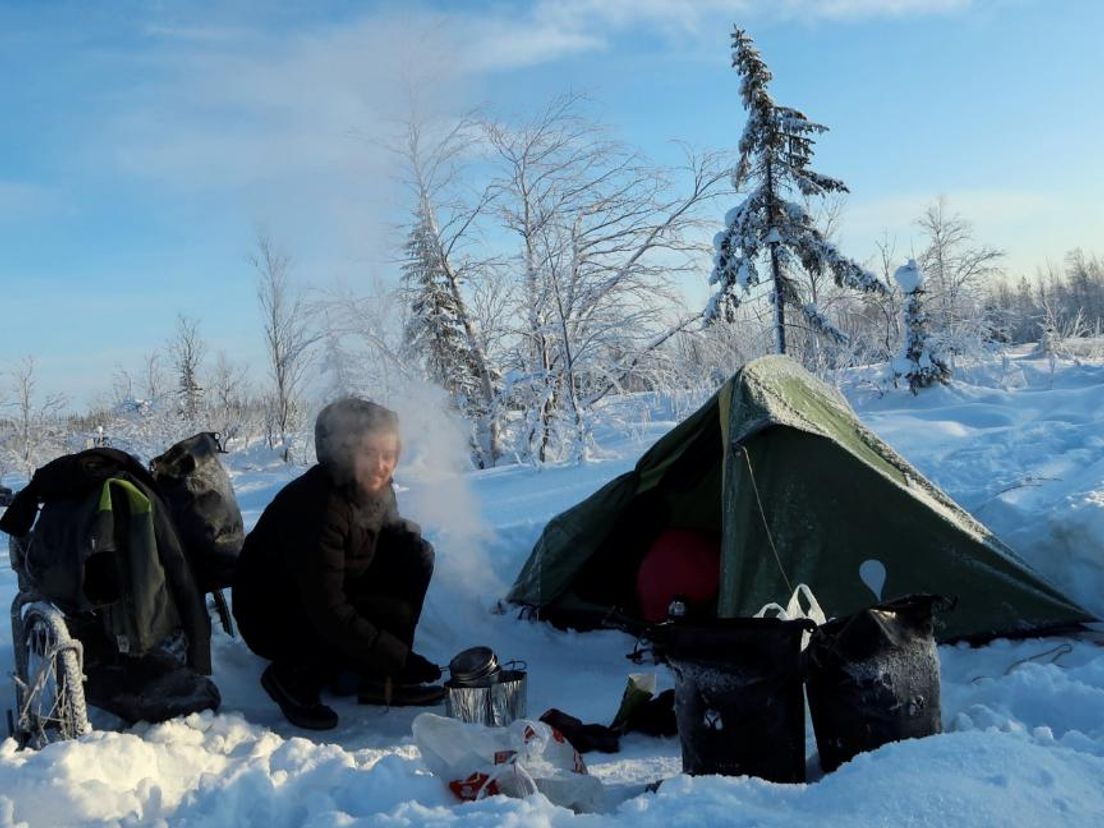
[303,661]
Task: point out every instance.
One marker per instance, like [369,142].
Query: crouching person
[330,583]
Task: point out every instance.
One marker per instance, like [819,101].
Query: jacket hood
[341,426]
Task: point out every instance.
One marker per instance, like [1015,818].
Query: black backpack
[200,496]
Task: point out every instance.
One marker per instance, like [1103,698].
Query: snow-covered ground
[1019,446]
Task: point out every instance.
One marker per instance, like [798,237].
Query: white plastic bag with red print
[523,758]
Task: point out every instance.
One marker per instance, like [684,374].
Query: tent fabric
[801,492]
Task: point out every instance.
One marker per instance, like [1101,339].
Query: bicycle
[49,668]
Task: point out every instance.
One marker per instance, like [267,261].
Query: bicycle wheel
[50,703]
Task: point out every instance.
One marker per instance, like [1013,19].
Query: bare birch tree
[603,241]
[153,377]
[289,340]
[543,162]
[616,287]
[956,270]
[228,397]
[36,430]
[364,346]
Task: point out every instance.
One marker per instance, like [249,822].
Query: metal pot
[481,691]
[473,666]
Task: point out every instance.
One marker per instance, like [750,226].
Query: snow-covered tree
[1054,303]
[441,330]
[957,270]
[602,235]
[229,397]
[918,363]
[187,349]
[772,226]
[34,434]
[435,330]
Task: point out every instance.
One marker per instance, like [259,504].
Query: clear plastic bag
[794,611]
[524,758]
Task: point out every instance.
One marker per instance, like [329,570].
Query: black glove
[389,652]
[418,670]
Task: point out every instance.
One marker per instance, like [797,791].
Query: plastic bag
[524,758]
[793,611]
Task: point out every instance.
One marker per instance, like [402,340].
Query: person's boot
[298,698]
[391,693]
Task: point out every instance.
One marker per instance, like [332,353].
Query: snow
[1019,445]
[909,276]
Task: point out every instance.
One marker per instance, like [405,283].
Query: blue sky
[143,142]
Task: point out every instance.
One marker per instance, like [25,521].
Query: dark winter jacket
[312,539]
[161,589]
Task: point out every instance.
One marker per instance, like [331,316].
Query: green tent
[798,491]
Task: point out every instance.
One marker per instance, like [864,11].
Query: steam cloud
[434,491]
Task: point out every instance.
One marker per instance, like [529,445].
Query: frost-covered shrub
[918,362]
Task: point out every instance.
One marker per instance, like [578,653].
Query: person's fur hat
[341,425]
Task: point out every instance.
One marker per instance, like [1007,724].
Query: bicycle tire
[50,702]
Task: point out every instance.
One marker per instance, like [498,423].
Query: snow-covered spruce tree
[771,223]
[442,280]
[917,362]
[187,348]
[434,332]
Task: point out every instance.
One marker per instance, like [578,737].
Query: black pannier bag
[873,678]
[205,512]
[104,544]
[104,550]
[738,695]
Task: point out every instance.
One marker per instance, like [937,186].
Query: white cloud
[287,123]
[289,128]
[551,30]
[852,9]
[690,16]
[237,106]
[290,125]
[678,15]
[284,105]
[497,44]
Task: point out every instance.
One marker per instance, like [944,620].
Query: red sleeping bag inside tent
[681,563]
